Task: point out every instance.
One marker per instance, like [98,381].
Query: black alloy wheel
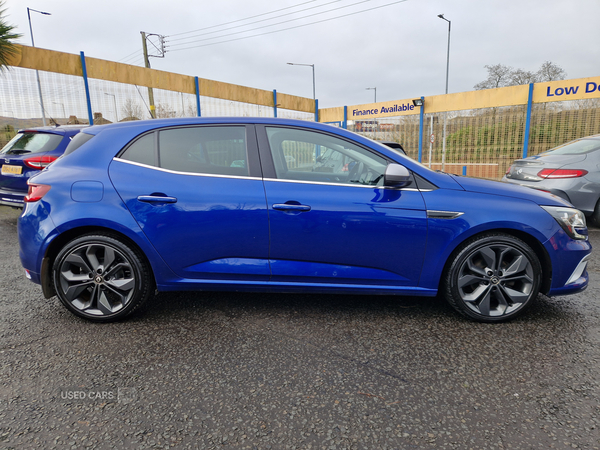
[100,278]
[493,278]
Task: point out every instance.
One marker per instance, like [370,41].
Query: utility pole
[37,73]
[147,63]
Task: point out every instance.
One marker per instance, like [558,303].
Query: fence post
[87,89]
[198,110]
[345,122]
[421,118]
[528,121]
[275,102]
[316,110]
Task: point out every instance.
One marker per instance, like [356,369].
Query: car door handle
[290,207]
[156,199]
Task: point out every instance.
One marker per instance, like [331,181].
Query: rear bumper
[12,198]
[35,230]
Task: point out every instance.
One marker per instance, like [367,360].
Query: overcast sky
[400,49]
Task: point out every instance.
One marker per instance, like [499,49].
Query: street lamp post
[313,72]
[37,74]
[115,102]
[441,16]
[63,108]
[373,89]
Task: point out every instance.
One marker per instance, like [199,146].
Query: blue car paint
[353,235]
[479,200]
[14,187]
[198,236]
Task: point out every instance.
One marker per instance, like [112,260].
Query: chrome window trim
[267,179]
[323,183]
[210,175]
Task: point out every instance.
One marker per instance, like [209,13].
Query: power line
[136,56]
[128,56]
[285,29]
[256,21]
[241,20]
[278,23]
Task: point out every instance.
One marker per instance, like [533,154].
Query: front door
[331,218]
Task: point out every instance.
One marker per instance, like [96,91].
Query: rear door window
[218,150]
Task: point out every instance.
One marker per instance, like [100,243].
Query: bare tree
[132,110]
[165,111]
[551,72]
[499,75]
[7,48]
[520,76]
[588,103]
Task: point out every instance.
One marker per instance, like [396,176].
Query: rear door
[198,195]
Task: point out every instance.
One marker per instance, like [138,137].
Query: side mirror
[396,176]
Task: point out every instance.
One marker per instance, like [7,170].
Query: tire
[596,214]
[493,278]
[100,278]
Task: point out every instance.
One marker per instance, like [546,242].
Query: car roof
[181,121]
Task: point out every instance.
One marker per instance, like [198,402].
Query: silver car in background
[570,171]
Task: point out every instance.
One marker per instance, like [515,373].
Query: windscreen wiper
[18,152]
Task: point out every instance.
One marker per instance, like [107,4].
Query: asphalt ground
[256,371]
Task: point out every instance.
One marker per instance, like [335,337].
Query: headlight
[570,219]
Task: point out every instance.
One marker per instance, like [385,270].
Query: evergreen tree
[7,48]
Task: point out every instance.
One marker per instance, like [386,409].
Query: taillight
[562,173]
[39,162]
[508,170]
[36,192]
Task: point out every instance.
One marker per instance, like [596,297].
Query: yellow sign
[558,91]
[382,109]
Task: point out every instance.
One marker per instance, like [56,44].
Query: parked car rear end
[30,151]
[570,171]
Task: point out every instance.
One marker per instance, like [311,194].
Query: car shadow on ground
[328,308]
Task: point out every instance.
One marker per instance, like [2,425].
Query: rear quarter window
[78,140]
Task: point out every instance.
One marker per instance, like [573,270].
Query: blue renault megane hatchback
[244,204]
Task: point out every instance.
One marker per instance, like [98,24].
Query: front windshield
[580,147]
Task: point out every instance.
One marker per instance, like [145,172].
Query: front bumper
[569,260]
[577,282]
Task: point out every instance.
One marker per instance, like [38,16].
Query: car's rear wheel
[100,278]
[493,278]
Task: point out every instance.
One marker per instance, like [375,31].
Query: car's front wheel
[596,214]
[493,278]
[101,278]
